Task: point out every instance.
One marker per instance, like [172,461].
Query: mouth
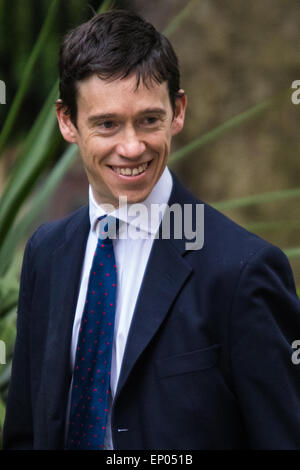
[131,172]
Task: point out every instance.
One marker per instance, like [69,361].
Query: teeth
[129,171]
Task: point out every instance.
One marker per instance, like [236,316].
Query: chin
[136,198]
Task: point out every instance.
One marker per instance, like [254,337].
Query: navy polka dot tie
[91,377]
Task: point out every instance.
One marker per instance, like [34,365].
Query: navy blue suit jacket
[207,363]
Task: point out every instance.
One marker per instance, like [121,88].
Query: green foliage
[9,290]
[26,76]
[29,166]
[223,128]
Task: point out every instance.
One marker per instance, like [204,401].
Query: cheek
[166,148]
[93,151]
[160,142]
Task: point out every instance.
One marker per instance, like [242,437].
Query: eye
[107,124]
[107,127]
[149,121]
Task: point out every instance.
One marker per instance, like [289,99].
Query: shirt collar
[138,216]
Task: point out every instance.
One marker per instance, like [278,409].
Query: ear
[67,128]
[179,112]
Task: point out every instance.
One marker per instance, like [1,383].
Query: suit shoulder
[228,232]
[51,234]
[229,248]
[224,239]
[234,245]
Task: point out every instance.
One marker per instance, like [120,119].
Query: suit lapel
[159,288]
[66,268]
[166,272]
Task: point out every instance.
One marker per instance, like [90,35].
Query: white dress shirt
[131,254]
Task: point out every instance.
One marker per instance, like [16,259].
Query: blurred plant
[18,211]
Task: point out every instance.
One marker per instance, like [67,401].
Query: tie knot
[108,228]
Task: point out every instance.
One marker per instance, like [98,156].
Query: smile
[126,171]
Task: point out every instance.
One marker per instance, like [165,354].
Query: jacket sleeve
[265,320]
[18,426]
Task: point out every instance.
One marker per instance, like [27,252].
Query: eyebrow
[100,117]
[159,111]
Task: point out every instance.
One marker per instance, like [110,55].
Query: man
[201,338]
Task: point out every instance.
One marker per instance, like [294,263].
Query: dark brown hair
[113,45]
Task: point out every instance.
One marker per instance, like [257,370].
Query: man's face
[123,134]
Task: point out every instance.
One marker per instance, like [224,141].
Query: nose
[130,145]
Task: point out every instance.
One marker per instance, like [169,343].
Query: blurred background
[239,150]
[233,55]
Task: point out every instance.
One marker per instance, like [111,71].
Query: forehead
[120,96]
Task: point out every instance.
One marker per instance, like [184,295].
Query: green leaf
[8,331]
[266,226]
[27,74]
[257,199]
[2,412]
[224,128]
[175,22]
[46,114]
[292,252]
[39,201]
[106,6]
[5,373]
[9,291]
[29,166]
